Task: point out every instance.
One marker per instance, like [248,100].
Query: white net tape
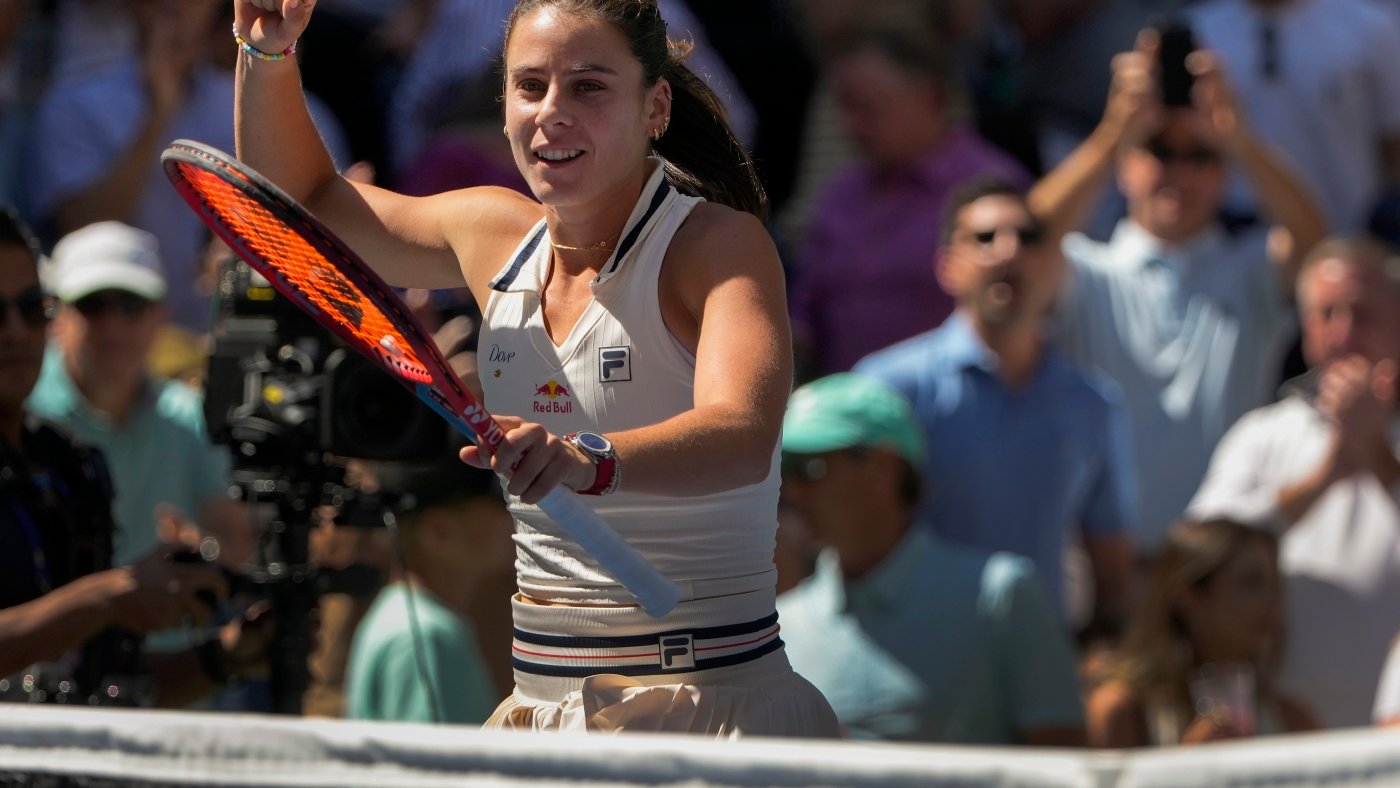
[100,748]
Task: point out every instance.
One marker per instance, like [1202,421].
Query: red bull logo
[552,391]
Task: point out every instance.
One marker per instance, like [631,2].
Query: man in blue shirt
[910,637]
[1028,454]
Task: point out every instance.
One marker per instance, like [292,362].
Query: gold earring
[656,134]
[506,131]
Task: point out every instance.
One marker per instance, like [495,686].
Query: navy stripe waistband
[626,641]
[672,651]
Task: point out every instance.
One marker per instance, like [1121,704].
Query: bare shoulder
[723,239]
[483,225]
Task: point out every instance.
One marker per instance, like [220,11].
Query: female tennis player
[635,337]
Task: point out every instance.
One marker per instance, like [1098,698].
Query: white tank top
[619,368]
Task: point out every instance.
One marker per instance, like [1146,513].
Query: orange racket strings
[307,270]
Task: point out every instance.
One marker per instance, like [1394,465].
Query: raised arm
[411,242]
[1283,199]
[1066,196]
[169,61]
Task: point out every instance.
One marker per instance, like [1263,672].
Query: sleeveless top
[619,368]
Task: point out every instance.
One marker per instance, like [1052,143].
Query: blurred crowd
[1096,307]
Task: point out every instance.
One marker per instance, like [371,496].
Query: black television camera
[293,404]
[283,392]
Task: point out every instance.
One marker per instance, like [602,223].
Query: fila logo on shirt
[677,652]
[614,364]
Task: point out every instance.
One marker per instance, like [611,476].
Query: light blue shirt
[435,675]
[161,455]
[1013,470]
[1195,337]
[938,643]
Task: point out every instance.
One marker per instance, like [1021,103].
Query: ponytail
[703,157]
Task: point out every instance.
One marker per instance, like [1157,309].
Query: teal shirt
[938,643]
[384,680]
[161,455]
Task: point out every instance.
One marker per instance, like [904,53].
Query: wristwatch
[600,450]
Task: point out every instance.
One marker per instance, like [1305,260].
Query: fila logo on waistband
[678,652]
[614,364]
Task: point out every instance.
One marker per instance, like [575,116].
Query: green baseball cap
[846,411]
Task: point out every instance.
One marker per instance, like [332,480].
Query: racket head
[306,262]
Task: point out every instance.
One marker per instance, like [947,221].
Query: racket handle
[656,593]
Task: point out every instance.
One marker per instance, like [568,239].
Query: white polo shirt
[1341,561]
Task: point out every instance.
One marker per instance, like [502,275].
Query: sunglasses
[1197,157]
[128,304]
[33,307]
[813,467]
[1026,235]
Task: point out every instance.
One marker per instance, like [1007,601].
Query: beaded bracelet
[254,52]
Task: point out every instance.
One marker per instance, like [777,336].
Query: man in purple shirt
[864,277]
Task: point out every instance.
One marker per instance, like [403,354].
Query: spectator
[111,286]
[417,655]
[1321,78]
[1213,602]
[864,277]
[822,148]
[1321,465]
[998,404]
[1190,320]
[910,637]
[60,598]
[98,138]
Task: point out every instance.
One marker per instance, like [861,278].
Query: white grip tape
[656,593]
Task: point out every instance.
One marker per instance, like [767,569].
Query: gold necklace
[601,246]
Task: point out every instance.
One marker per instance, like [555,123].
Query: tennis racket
[305,262]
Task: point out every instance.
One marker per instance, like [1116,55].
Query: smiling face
[578,110]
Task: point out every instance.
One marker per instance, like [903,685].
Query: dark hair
[703,157]
[969,193]
[14,232]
